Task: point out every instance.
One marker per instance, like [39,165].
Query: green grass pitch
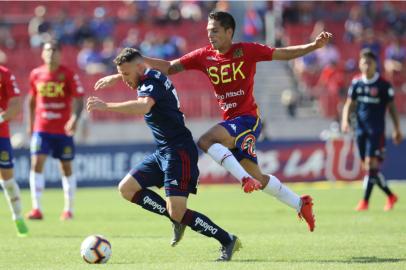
[272,236]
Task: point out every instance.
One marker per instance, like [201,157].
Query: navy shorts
[6,154]
[174,168]
[371,145]
[60,146]
[246,130]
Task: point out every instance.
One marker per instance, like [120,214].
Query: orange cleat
[390,202]
[362,206]
[306,212]
[250,184]
[35,214]
[66,215]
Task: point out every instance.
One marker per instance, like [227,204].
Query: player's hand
[397,137]
[107,81]
[322,39]
[250,184]
[345,127]
[95,104]
[70,126]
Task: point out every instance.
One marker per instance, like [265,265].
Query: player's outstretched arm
[166,67]
[107,81]
[349,107]
[140,106]
[77,108]
[292,52]
[397,134]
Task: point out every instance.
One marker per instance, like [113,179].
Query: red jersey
[53,93]
[8,90]
[231,74]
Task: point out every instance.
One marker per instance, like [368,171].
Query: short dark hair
[127,55]
[53,43]
[368,53]
[226,19]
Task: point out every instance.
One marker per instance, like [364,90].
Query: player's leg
[217,141]
[177,207]
[273,187]
[39,151]
[69,188]
[368,184]
[63,148]
[134,186]
[10,186]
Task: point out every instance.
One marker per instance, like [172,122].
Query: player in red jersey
[10,105]
[231,68]
[55,105]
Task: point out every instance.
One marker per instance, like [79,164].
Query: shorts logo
[4,156]
[67,150]
[173,182]
[248,145]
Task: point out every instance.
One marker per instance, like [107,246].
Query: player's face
[50,54]
[129,73]
[367,66]
[219,37]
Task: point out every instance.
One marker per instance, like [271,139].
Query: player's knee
[125,191]
[204,143]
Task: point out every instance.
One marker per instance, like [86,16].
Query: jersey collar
[370,81]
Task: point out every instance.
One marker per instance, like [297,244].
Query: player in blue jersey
[174,164]
[369,96]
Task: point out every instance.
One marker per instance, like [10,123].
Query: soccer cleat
[306,212]
[250,184]
[226,252]
[35,214]
[362,206]
[66,215]
[178,232]
[390,202]
[22,229]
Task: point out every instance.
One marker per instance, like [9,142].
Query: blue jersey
[372,97]
[165,119]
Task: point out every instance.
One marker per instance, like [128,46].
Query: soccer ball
[95,249]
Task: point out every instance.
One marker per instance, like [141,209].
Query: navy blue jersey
[372,97]
[165,119]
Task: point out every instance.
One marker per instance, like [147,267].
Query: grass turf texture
[270,232]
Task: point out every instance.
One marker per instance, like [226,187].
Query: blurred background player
[55,104]
[174,164]
[231,69]
[369,96]
[10,106]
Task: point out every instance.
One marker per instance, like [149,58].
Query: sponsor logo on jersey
[234,127]
[145,88]
[226,73]
[51,89]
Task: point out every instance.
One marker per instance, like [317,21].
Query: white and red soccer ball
[95,249]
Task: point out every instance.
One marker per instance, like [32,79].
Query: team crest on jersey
[238,53]
[248,145]
[61,77]
[373,91]
[4,156]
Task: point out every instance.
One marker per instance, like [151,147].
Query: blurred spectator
[395,56]
[108,53]
[64,28]
[131,40]
[253,26]
[395,19]
[168,12]
[190,10]
[101,26]
[289,99]
[328,54]
[6,39]
[89,59]
[81,30]
[39,27]
[370,41]
[129,12]
[355,24]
